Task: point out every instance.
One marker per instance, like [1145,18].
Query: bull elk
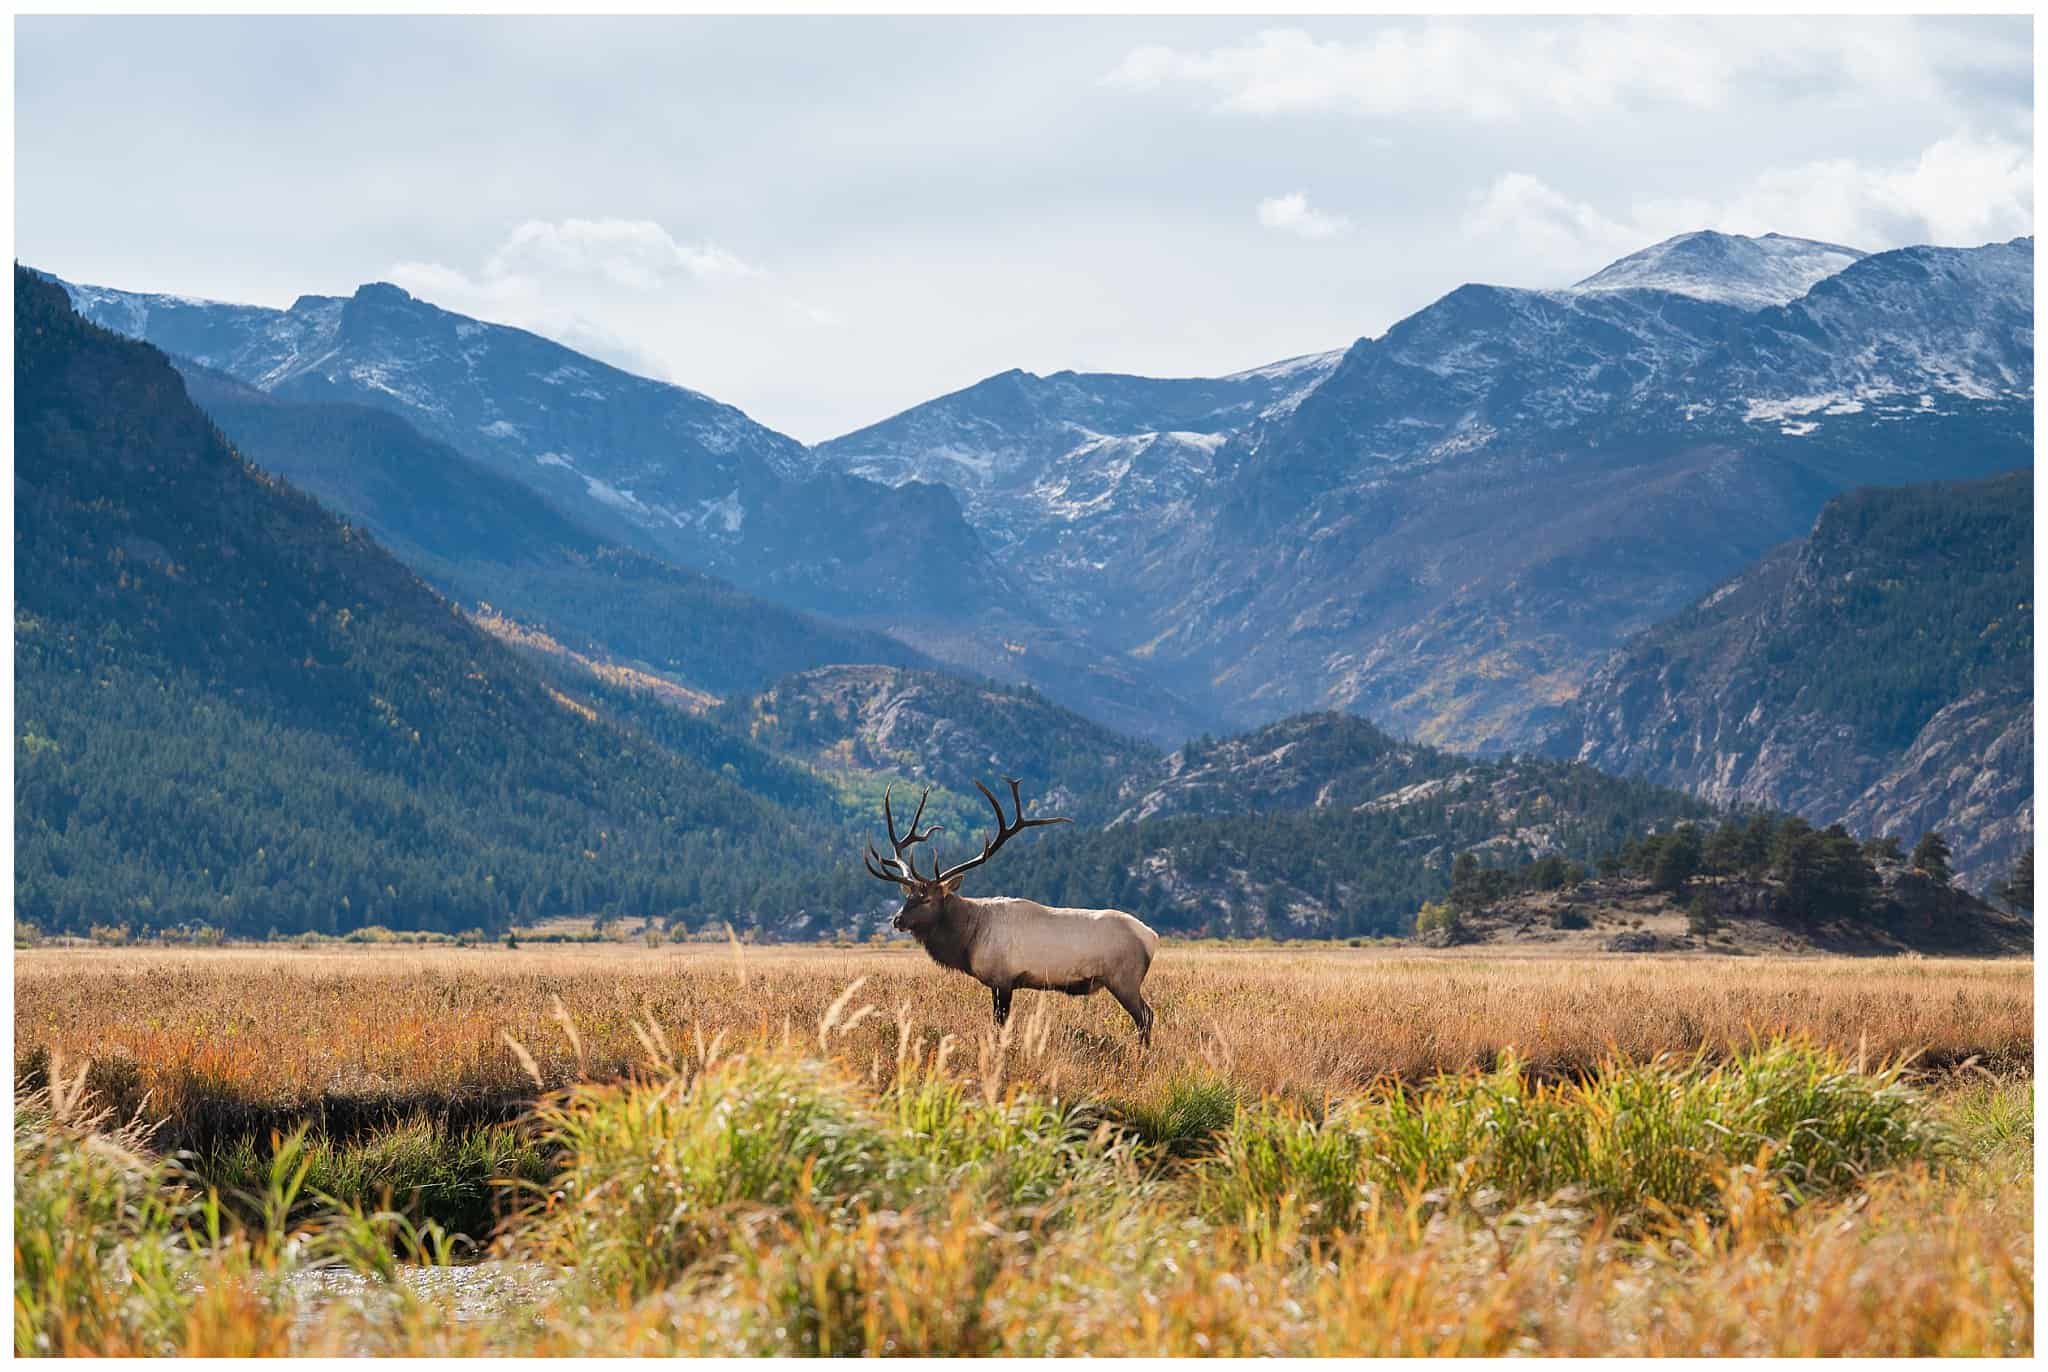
[1008,944]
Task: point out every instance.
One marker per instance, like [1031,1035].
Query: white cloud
[1493,71]
[1293,214]
[1548,225]
[634,256]
[618,289]
[637,254]
[1961,190]
[1439,69]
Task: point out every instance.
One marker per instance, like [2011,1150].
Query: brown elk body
[1008,944]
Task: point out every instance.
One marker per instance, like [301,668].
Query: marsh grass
[1521,1224]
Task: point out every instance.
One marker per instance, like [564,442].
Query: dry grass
[256,1035]
[826,1151]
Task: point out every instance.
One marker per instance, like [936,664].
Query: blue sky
[824,221]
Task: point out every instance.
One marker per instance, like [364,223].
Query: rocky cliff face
[1970,774]
[1876,673]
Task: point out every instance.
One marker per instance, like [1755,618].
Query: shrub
[1435,915]
[1701,916]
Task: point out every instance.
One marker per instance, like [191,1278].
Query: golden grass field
[1185,1232]
[282,1027]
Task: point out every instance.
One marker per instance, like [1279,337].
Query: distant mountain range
[485,539]
[654,468]
[1878,672]
[1073,474]
[1448,529]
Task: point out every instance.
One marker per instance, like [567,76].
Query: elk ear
[952,886]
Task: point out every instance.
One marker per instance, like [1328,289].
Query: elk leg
[1002,1005]
[1141,1013]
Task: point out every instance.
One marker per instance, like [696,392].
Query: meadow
[787,1150]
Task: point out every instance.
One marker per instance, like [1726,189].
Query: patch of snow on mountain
[728,514]
[1773,411]
[611,495]
[1307,363]
[1729,269]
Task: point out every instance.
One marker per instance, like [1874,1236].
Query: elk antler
[1005,829]
[900,869]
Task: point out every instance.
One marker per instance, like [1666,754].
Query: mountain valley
[1386,575]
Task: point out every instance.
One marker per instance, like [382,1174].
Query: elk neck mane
[950,939]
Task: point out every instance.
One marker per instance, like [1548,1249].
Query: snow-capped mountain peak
[1730,269]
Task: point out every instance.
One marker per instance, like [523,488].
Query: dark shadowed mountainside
[1878,671]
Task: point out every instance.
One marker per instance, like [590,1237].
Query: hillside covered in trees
[235,710]
[484,538]
[1878,672]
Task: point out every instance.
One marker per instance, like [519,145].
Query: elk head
[924,897]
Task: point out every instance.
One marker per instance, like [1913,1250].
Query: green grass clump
[1631,1141]
[424,1168]
[1017,1152]
[1277,1160]
[1993,1123]
[658,1175]
[96,1248]
[1185,1119]
[654,1173]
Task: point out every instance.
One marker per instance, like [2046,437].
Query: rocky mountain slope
[1452,528]
[1320,825]
[664,471]
[1068,473]
[1448,528]
[927,727]
[1877,672]
[1220,842]
[657,466]
[495,545]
